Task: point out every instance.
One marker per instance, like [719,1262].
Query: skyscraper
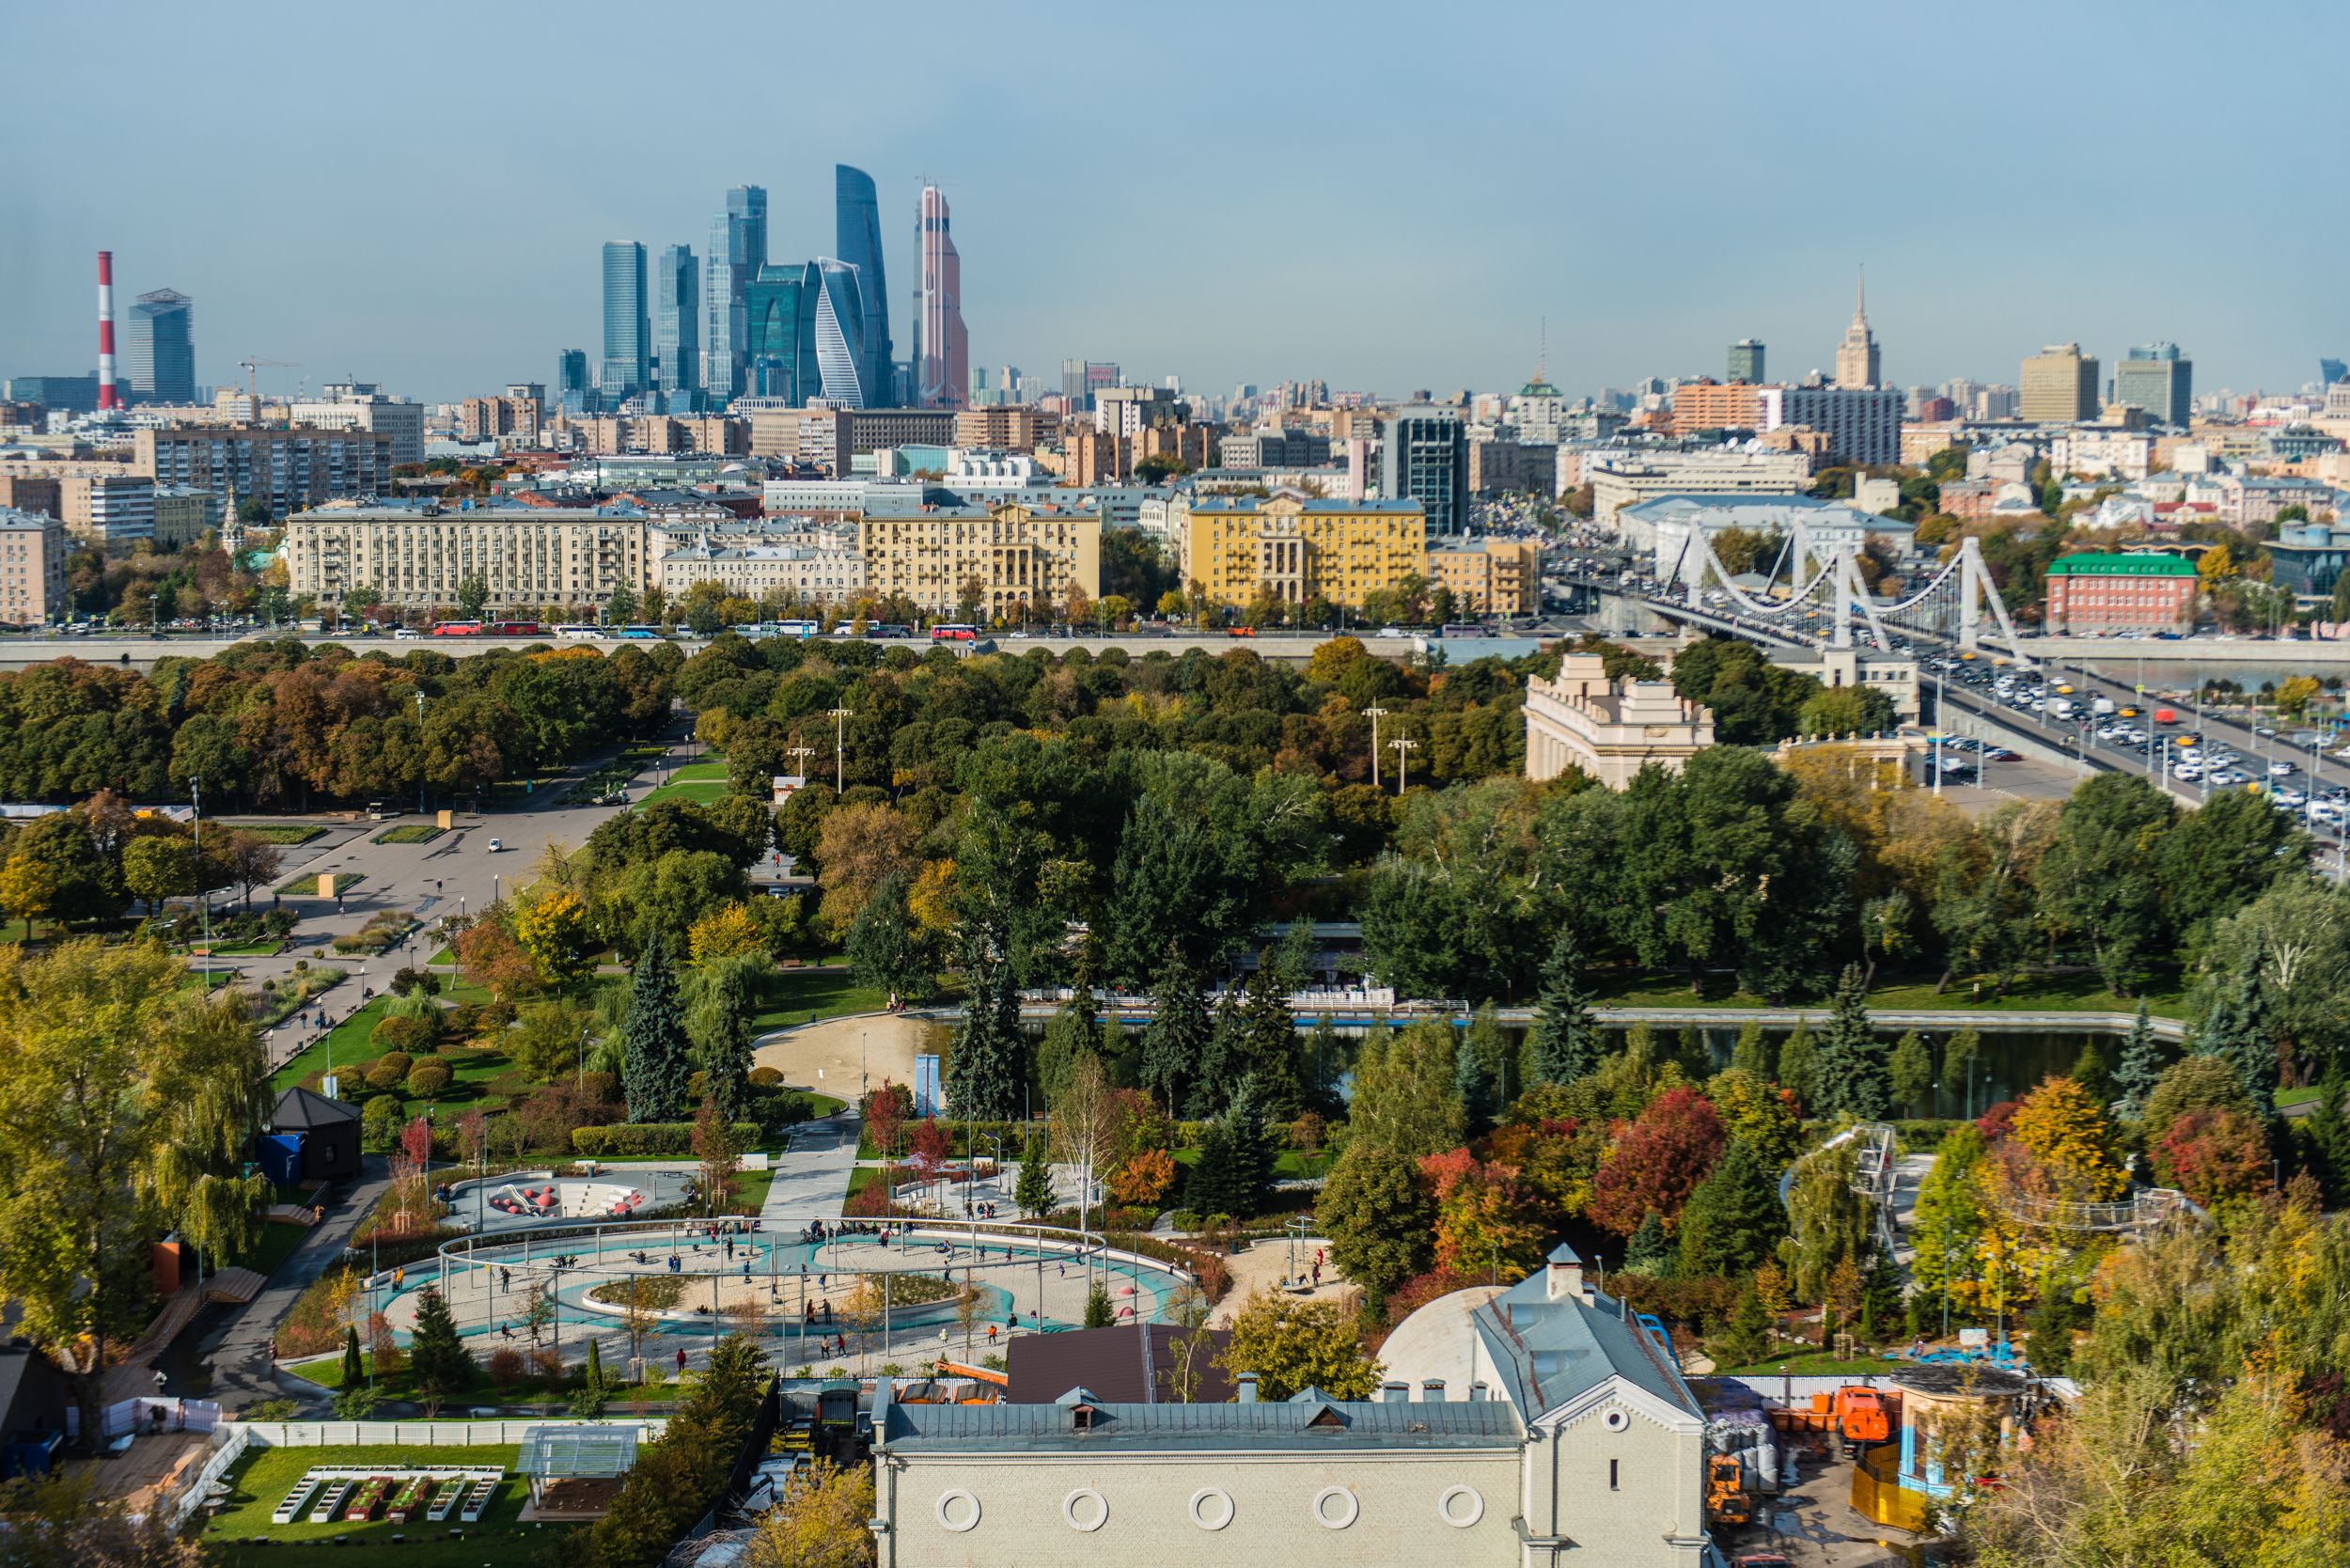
[2331,370]
[1423,457]
[2158,378]
[570,381]
[1857,355]
[1745,361]
[804,325]
[677,321]
[627,337]
[738,248]
[160,361]
[2058,385]
[857,242]
[942,348]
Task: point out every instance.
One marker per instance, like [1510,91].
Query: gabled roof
[1549,1352]
[1266,1426]
[299,1108]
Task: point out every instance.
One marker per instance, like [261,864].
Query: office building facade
[1745,361]
[1423,457]
[2160,379]
[942,347]
[627,332]
[573,388]
[2058,386]
[676,346]
[857,243]
[159,354]
[113,511]
[1863,425]
[362,405]
[58,394]
[2121,593]
[738,248]
[805,325]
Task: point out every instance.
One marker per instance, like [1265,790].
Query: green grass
[752,1186]
[409,833]
[697,782]
[798,996]
[347,1043]
[279,1243]
[442,959]
[258,1485]
[308,886]
[2296,1096]
[1288,1164]
[2028,994]
[278,833]
[246,950]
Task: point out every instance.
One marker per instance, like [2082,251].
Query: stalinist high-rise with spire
[1857,355]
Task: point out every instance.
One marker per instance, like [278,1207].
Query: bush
[645,1138]
[766,1077]
[412,979]
[427,1079]
[378,1124]
[388,1072]
[506,1367]
[411,1035]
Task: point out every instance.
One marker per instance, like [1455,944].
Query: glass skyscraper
[738,249]
[2158,378]
[858,241]
[677,321]
[805,325]
[627,335]
[159,360]
[1423,457]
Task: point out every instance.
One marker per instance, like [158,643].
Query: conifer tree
[2141,1066]
[1853,1077]
[438,1361]
[1733,1218]
[1477,1072]
[1911,1070]
[1034,1190]
[983,1075]
[1651,1250]
[354,1370]
[2237,1031]
[1271,1054]
[1175,1041]
[1752,1053]
[655,1066]
[1563,1045]
[1799,1069]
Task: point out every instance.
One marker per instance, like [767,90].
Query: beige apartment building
[1015,554]
[829,572]
[289,469]
[1297,549]
[1712,405]
[1497,577]
[662,435]
[32,568]
[420,558]
[1006,427]
[2058,385]
[182,513]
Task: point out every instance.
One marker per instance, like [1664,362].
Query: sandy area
[1261,1267]
[841,1055]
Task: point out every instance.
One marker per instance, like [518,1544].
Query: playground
[824,1292]
[518,1201]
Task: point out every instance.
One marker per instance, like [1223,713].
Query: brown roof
[1109,1362]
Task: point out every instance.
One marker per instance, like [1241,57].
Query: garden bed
[408,833]
[260,1483]
[286,834]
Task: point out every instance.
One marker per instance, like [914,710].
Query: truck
[1862,1417]
[2166,716]
[2060,708]
[2101,706]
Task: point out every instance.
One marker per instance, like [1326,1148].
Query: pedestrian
[680,1361]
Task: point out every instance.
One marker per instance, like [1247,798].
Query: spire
[1860,300]
[1541,352]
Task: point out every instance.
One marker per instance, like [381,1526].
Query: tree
[1853,1077]
[2192,1083]
[985,1070]
[439,1362]
[2089,1071]
[1755,1110]
[1733,1218]
[251,861]
[1269,1041]
[654,1066]
[2214,1156]
[823,1522]
[1751,1054]
[1235,1165]
[1657,1161]
[473,595]
[2141,1066]
[720,1150]
[354,1370]
[1377,1216]
[1175,1041]
[1292,1345]
[1649,1251]
[1799,1069]
[1745,1338]
[1404,1091]
[1958,1066]
[2067,1129]
[1098,1312]
[2235,1030]
[730,931]
[157,867]
[64,1520]
[553,930]
[27,888]
[720,998]
[1910,1069]
[490,958]
[1034,1191]
[2100,879]
[1828,1219]
[1477,1074]
[887,949]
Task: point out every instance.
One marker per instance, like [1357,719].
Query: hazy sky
[1385,196]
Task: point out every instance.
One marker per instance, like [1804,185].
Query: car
[2264,731]
[496,845]
[2001,754]
[2281,770]
[2292,797]
[406,633]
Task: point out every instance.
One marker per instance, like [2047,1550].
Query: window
[1611,1473]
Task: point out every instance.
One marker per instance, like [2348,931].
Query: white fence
[450,1435]
[229,1441]
[149,1414]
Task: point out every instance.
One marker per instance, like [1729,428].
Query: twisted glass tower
[858,241]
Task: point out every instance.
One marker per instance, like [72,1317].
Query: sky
[1387,197]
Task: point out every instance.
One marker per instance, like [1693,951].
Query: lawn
[279,1243]
[304,886]
[346,1043]
[262,1482]
[277,833]
[1288,1164]
[408,833]
[699,782]
[804,996]
[246,950]
[327,1372]
[2028,994]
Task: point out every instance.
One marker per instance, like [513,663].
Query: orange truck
[1854,1416]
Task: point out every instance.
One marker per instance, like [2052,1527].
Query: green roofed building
[2144,595]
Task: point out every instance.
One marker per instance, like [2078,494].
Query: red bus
[510,629]
[953,632]
[457,628]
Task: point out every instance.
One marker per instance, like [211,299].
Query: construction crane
[249,366]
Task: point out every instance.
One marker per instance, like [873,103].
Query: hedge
[648,1137]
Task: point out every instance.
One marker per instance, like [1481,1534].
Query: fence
[229,1441]
[149,1414]
[451,1435]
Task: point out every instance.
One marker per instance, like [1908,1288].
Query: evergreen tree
[1745,1338]
[655,1067]
[1477,1072]
[1235,1165]
[1175,1041]
[1323,1063]
[1649,1251]
[2141,1066]
[1752,1054]
[887,947]
[593,1374]
[1958,1069]
[1880,1298]
[1689,1050]
[1034,1190]
[1563,1045]
[2323,1138]
[2237,1031]
[354,1370]
[1799,1069]
[438,1361]
[1733,1218]
[1853,1077]
[1271,1056]
[2089,1071]
[1098,1310]
[1226,1059]
[983,1075]
[1911,1070]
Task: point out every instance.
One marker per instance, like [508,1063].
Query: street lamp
[1403,746]
[1374,713]
[420,749]
[840,717]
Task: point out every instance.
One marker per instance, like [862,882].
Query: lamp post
[840,717]
[1374,713]
[1403,746]
[204,902]
[421,748]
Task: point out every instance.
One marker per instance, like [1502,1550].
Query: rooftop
[2101,564]
[1083,1422]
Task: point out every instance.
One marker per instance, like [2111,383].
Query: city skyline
[1064,270]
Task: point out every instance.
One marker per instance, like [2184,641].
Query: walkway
[811,1178]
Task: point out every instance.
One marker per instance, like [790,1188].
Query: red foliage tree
[1999,1122]
[1657,1161]
[886,1111]
[2213,1154]
[933,1146]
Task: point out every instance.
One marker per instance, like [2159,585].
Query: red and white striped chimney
[107,396]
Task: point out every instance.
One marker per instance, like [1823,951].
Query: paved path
[812,1177]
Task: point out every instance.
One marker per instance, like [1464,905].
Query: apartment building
[1712,405]
[289,469]
[1002,427]
[182,513]
[750,566]
[1298,549]
[113,511]
[32,568]
[420,556]
[1031,553]
[1494,576]
[498,418]
[1620,479]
